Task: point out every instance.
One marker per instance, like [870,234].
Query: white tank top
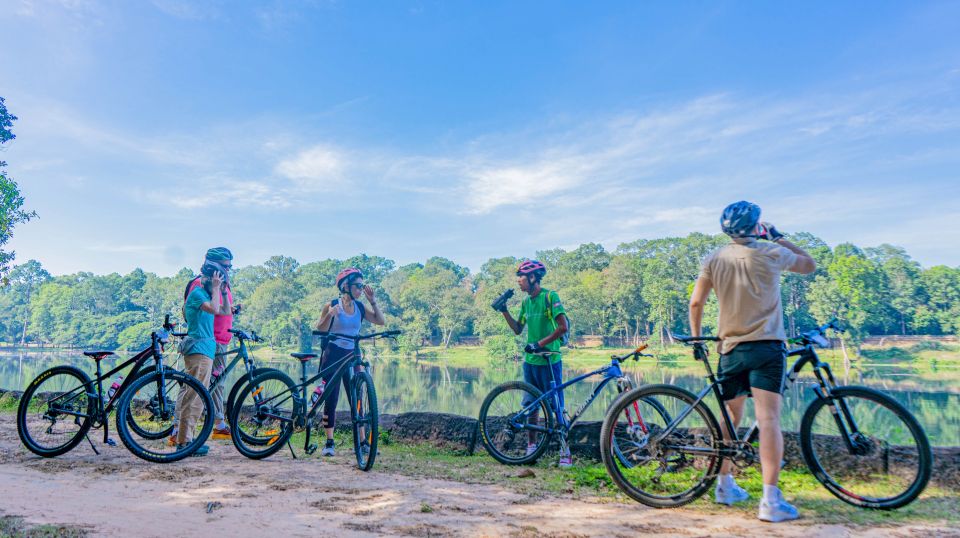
[345,323]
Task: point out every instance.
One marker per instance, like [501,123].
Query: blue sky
[149,131]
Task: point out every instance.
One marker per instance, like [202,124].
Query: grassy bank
[589,481]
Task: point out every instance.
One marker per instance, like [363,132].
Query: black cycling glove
[534,348]
[770,232]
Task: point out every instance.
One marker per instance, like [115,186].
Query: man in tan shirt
[746,276]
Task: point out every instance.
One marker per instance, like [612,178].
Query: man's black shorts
[761,364]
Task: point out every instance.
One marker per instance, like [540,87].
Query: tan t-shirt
[746,277]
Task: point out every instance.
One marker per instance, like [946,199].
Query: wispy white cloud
[317,168]
[187,9]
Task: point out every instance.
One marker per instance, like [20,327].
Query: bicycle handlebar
[635,354]
[694,339]
[358,337]
[244,335]
[817,336]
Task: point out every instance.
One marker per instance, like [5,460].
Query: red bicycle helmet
[347,273]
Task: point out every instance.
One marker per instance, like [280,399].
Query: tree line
[638,291]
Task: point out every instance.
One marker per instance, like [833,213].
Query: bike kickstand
[95,451]
[292,453]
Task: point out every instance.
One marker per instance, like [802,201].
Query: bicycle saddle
[303,357]
[97,355]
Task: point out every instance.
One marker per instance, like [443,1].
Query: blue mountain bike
[517,420]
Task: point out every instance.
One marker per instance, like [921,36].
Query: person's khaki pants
[189,403]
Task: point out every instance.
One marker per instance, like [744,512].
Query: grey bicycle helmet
[739,219]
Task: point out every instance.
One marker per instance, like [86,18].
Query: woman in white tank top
[344,316]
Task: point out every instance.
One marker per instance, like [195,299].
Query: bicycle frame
[138,360]
[610,372]
[807,355]
[241,354]
[303,417]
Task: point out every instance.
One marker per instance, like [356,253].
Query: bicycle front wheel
[866,448]
[651,459]
[366,416]
[263,415]
[151,404]
[512,430]
[150,413]
[55,411]
[232,398]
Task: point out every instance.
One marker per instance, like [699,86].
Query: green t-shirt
[541,320]
[199,323]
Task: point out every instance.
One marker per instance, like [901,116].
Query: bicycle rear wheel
[511,435]
[263,415]
[366,416]
[653,461]
[888,460]
[55,411]
[147,403]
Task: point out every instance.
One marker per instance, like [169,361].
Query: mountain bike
[269,408]
[60,406]
[516,416]
[862,445]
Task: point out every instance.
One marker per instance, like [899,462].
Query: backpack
[548,308]
[186,290]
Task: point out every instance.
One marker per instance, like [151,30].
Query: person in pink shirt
[222,257]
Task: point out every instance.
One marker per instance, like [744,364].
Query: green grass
[590,480]
[16,527]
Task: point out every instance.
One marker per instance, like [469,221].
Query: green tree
[24,280]
[11,201]
[852,290]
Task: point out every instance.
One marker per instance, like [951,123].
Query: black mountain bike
[60,406]
[862,445]
[269,408]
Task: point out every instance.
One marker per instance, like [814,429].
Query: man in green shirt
[543,315]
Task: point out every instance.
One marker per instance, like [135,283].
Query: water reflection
[403,386]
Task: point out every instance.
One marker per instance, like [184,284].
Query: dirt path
[116,494]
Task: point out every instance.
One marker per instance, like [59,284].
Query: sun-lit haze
[150,131]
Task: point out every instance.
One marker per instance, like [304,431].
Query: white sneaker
[328,450]
[565,462]
[531,448]
[777,510]
[730,495]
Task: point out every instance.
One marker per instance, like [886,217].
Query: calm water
[404,386]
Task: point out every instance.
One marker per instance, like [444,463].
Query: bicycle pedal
[111,442]
[311,449]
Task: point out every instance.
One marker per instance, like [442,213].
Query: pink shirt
[221,324]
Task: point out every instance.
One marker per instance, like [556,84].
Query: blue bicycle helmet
[739,219]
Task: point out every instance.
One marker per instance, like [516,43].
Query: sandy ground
[116,494]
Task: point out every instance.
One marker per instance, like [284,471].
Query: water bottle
[318,392]
[215,375]
[113,388]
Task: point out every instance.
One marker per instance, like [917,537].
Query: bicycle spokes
[653,459]
[865,448]
[55,412]
[513,430]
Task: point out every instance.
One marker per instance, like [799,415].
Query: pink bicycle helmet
[531,267]
[347,273]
